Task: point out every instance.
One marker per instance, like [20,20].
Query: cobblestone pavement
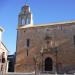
[20,74]
[33,74]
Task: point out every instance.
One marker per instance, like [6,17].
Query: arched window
[23,21]
[48,64]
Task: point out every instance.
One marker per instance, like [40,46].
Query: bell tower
[23,43]
[25,16]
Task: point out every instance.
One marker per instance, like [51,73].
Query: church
[44,48]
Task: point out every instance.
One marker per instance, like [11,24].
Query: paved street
[34,74]
[12,73]
[20,74]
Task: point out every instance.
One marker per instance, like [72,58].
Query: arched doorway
[48,64]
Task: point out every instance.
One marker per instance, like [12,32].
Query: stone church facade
[45,47]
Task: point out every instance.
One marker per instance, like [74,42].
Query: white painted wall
[1,31]
[0,35]
[3,49]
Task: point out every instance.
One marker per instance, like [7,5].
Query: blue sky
[44,11]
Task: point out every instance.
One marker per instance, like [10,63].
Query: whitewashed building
[3,54]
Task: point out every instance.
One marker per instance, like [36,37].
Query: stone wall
[61,36]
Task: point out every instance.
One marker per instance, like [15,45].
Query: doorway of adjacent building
[48,64]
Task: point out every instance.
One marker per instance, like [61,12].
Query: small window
[28,42]
[3,57]
[74,39]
